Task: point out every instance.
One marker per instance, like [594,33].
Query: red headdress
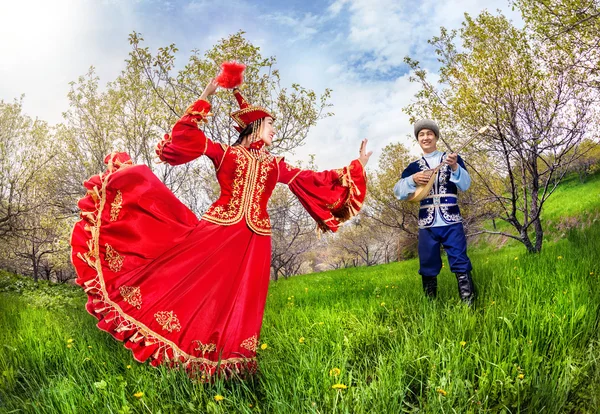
[247,113]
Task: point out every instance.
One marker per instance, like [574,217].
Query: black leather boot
[466,288]
[430,286]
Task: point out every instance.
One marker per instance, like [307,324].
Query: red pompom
[232,74]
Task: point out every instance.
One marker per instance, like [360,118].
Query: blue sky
[355,47]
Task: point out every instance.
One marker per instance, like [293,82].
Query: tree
[538,113]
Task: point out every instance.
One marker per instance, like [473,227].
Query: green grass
[531,344]
[572,205]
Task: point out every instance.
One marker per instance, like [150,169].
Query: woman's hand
[422,177]
[364,155]
[210,89]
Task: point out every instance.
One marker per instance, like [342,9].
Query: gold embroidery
[205,348]
[116,206]
[250,343]
[114,259]
[168,321]
[131,295]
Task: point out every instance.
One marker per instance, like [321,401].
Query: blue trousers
[453,239]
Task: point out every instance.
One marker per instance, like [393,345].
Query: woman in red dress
[180,290]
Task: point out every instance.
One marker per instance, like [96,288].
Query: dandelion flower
[382,303]
[128,367]
[70,340]
[264,346]
[334,372]
[138,394]
[521,376]
[339,386]
[591,273]
[301,340]
[559,258]
[219,397]
[305,290]
[321,323]
[442,392]
[517,258]
[69,345]
[89,346]
[463,343]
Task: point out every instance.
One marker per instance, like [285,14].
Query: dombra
[423,190]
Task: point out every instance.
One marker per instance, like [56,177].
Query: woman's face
[267,131]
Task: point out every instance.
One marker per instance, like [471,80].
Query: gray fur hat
[427,124]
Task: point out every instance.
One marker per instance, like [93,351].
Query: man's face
[427,140]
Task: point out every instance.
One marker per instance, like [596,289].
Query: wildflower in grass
[521,376]
[516,257]
[70,340]
[382,303]
[301,340]
[334,372]
[290,298]
[305,290]
[264,346]
[591,273]
[463,343]
[559,258]
[442,392]
[89,347]
[128,367]
[339,386]
[138,394]
[69,346]
[321,323]
[219,398]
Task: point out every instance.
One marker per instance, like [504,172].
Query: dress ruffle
[173,289]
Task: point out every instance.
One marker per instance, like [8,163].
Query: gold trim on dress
[131,295]
[205,348]
[168,321]
[116,206]
[113,258]
[250,343]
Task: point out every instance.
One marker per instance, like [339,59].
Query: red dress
[180,290]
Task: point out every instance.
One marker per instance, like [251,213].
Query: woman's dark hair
[246,131]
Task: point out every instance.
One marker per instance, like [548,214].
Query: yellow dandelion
[301,340]
[493,302]
[70,340]
[387,287]
[305,290]
[339,386]
[591,273]
[334,372]
[89,347]
[521,376]
[290,298]
[69,345]
[321,323]
[559,258]
[138,394]
[128,367]
[516,257]
[463,343]
[264,346]
[442,392]
[382,303]
[219,398]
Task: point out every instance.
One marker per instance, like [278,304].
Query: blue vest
[443,197]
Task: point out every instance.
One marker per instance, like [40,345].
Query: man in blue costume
[440,222]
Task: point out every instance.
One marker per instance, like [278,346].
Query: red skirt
[174,289]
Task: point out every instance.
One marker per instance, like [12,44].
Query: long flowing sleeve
[187,142]
[330,197]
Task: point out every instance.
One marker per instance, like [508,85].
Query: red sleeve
[187,142]
[330,197]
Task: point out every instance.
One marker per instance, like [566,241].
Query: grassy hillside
[531,344]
